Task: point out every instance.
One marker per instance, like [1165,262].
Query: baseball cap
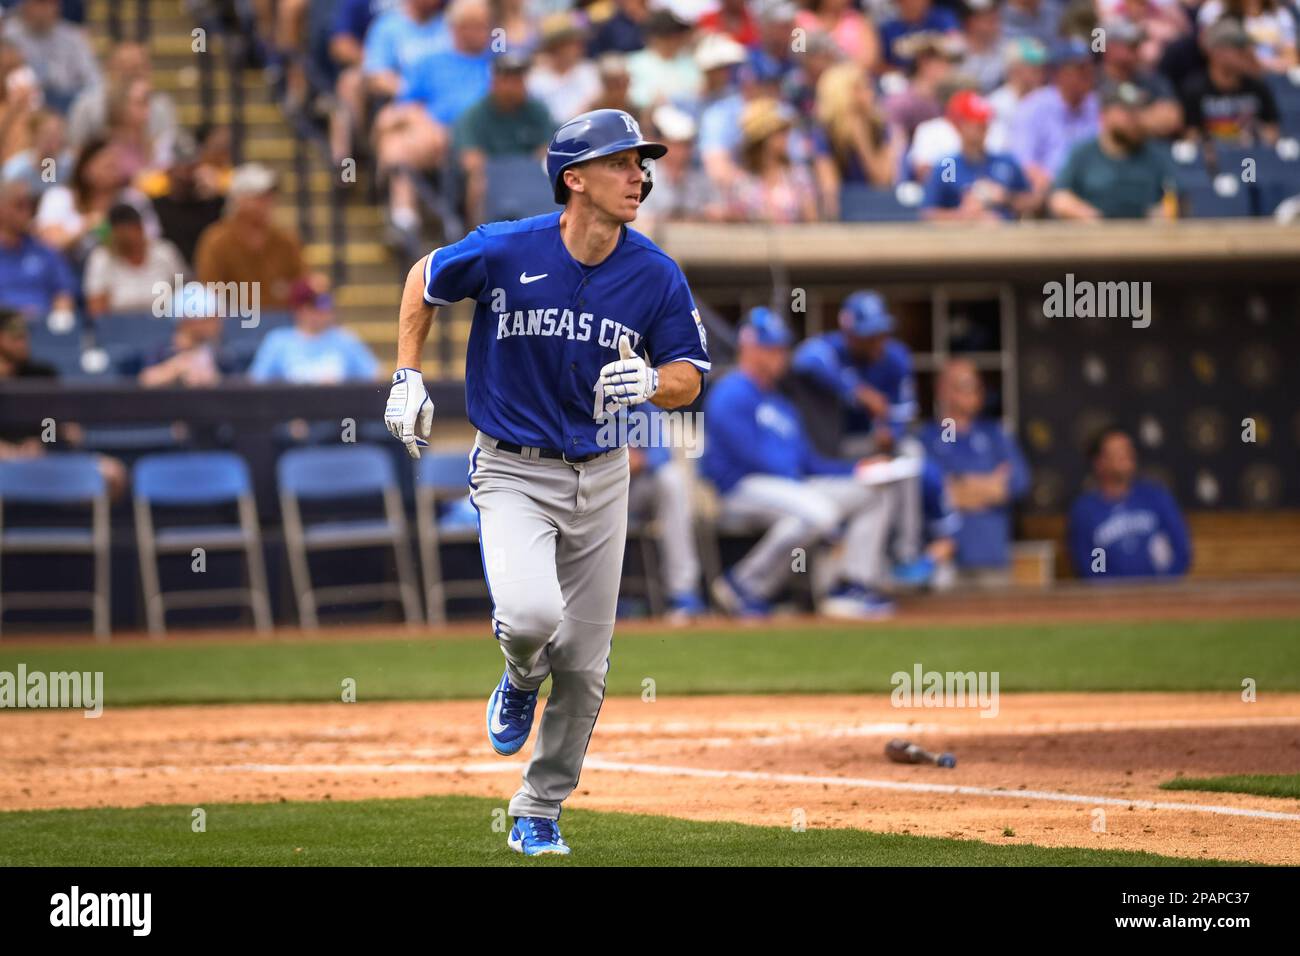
[560,26]
[1071,50]
[1226,32]
[673,123]
[864,313]
[968,106]
[1124,31]
[251,179]
[664,22]
[1124,94]
[511,62]
[764,327]
[1025,50]
[302,293]
[717,49]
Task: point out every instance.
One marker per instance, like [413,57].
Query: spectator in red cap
[975,185]
[733,19]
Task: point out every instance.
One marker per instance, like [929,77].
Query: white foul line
[861,783]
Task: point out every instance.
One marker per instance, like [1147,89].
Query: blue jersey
[942,520]
[750,431]
[545,325]
[1142,534]
[952,178]
[984,540]
[825,359]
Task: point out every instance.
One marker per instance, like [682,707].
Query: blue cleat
[510,717]
[854,603]
[917,573]
[738,602]
[537,836]
[684,607]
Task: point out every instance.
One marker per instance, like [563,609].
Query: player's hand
[409,415]
[630,380]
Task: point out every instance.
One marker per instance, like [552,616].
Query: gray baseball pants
[552,535]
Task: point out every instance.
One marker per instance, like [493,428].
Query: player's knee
[820,517]
[530,618]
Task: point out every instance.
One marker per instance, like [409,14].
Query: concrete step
[369,295]
[320,255]
[264,115]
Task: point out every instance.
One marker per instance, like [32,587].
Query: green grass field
[458,831]
[1259,784]
[1164,656]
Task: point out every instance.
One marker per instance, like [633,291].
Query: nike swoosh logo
[495,723]
[525,278]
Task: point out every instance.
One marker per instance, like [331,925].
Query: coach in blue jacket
[1125,527]
[758,456]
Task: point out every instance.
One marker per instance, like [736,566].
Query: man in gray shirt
[55,49]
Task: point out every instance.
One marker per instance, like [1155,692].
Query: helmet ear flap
[647,176]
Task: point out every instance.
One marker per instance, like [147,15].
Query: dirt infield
[1050,769]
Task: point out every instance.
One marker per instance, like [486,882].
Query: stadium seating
[60,348]
[61,481]
[1225,198]
[356,473]
[191,480]
[440,478]
[517,188]
[860,203]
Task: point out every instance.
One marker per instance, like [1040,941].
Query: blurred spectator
[773,58]
[16,349]
[1121,64]
[930,70]
[346,48]
[518,22]
[414,131]
[186,202]
[620,31]
[1269,24]
[73,219]
[720,104]
[867,371]
[193,359]
[913,17]
[682,190]
[506,122]
[852,33]
[1026,62]
[615,82]
[48,137]
[1125,526]
[562,78]
[89,116]
[982,466]
[854,126]
[733,19]
[984,59]
[55,49]
[1225,103]
[1117,175]
[399,38]
[665,70]
[1051,120]
[1162,22]
[758,456]
[770,186]
[20,98]
[138,151]
[121,274]
[975,184]
[34,278]
[937,138]
[246,246]
[1036,19]
[313,351]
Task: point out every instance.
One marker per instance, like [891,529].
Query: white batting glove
[409,415]
[629,381]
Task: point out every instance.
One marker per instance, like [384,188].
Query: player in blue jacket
[983,469]
[575,316]
[868,373]
[1125,527]
[757,455]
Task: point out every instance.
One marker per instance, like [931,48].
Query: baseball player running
[576,316]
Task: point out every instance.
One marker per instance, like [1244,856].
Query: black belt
[545,452]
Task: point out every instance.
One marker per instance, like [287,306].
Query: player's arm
[679,384]
[409,413]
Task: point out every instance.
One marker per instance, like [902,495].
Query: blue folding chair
[188,480]
[61,348]
[441,478]
[517,188]
[60,480]
[1226,198]
[1188,162]
[338,473]
[860,203]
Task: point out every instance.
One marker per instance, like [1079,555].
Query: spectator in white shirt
[121,275]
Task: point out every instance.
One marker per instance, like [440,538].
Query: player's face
[962,392]
[868,347]
[613,184]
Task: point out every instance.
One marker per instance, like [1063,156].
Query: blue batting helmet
[593,134]
[864,313]
[764,327]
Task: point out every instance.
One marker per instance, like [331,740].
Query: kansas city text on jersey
[563,323]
